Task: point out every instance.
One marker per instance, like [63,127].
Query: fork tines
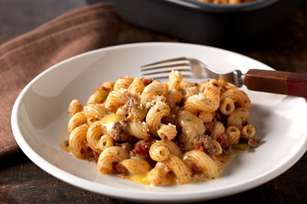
[161,69]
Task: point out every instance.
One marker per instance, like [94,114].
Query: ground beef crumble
[141,148]
[119,132]
[146,80]
[222,139]
[207,144]
[254,142]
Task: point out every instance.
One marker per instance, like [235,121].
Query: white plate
[39,123]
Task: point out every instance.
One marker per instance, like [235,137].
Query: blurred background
[283,46]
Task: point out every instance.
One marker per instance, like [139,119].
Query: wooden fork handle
[288,83]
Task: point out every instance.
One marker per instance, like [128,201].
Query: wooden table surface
[283,47]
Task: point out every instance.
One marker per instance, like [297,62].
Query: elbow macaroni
[160,133]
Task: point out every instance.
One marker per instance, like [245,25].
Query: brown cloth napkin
[24,57]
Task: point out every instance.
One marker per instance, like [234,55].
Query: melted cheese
[146,178]
[64,145]
[140,178]
[109,121]
[222,161]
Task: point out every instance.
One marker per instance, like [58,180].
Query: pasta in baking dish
[161,133]
[226,1]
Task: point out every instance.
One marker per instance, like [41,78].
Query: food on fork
[161,133]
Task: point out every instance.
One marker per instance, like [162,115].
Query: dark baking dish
[206,23]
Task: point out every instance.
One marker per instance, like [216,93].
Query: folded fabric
[24,57]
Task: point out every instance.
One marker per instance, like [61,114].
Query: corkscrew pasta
[161,133]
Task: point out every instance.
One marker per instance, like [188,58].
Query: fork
[279,82]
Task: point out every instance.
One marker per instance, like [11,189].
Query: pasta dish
[159,133]
[226,1]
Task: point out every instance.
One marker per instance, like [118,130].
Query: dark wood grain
[267,81]
[297,84]
[283,47]
[281,82]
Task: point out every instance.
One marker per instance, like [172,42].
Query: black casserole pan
[206,23]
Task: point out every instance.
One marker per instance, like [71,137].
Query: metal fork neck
[239,78]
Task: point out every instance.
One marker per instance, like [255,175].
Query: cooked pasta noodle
[109,85]
[136,166]
[206,117]
[110,156]
[227,106]
[208,101]
[154,116]
[201,162]
[233,135]
[123,83]
[116,99]
[76,120]
[154,89]
[74,107]
[238,96]
[238,117]
[189,91]
[136,87]
[248,131]
[105,142]
[92,99]
[159,152]
[192,127]
[78,142]
[157,175]
[167,131]
[173,97]
[95,111]
[174,81]
[218,129]
[183,173]
[171,146]
[138,128]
